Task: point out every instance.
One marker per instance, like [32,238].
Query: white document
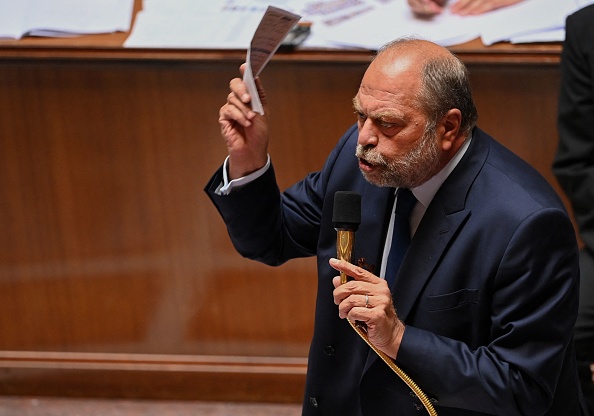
[12,15]
[166,28]
[528,17]
[198,24]
[556,35]
[583,3]
[271,31]
[64,17]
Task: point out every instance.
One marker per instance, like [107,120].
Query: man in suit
[482,309]
[574,168]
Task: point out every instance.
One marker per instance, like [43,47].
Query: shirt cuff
[227,186]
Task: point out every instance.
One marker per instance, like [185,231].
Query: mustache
[370,155]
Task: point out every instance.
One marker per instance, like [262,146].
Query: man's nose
[368,135]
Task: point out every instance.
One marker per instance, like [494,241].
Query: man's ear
[449,128]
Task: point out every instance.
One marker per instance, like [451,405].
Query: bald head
[438,79]
[413,46]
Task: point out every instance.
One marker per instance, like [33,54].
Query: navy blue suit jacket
[488,289]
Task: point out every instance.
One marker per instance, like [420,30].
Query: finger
[239,89]
[229,114]
[368,302]
[259,87]
[468,8]
[237,107]
[425,7]
[459,6]
[475,7]
[351,288]
[336,281]
[353,271]
[359,301]
[359,314]
[343,290]
[234,101]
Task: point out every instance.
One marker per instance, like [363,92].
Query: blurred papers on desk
[57,18]
[196,24]
[365,24]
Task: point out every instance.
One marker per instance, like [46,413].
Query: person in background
[460,7]
[481,310]
[574,168]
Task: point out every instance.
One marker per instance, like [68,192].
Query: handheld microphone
[346,217]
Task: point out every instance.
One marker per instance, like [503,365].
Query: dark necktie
[401,235]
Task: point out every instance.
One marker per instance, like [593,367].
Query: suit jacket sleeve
[272,227]
[574,162]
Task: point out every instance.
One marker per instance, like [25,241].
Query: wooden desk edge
[84,49]
[148,376]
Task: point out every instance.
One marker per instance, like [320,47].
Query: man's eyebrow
[383,115]
[386,115]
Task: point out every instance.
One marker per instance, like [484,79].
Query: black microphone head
[346,214]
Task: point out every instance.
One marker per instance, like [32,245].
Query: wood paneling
[106,224]
[517,105]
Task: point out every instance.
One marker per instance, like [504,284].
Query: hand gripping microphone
[346,217]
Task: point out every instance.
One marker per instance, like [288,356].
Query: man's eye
[360,116]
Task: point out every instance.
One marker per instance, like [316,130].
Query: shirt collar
[425,192]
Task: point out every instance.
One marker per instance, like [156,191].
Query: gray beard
[418,166]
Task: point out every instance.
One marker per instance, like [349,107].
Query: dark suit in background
[574,168]
[489,293]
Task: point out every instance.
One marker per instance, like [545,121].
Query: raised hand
[244,131]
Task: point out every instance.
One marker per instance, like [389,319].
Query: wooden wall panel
[517,105]
[107,225]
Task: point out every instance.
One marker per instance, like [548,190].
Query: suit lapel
[442,220]
[419,262]
[427,247]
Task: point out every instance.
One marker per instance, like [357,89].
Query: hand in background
[426,7]
[474,7]
[460,7]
